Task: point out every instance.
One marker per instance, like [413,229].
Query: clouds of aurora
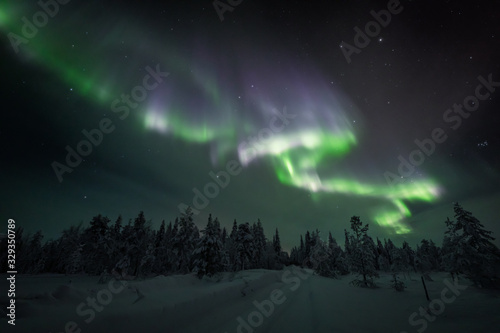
[220,100]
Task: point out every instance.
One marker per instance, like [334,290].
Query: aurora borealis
[267,87]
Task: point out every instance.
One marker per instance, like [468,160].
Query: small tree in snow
[396,283]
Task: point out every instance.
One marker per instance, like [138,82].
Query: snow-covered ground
[292,300]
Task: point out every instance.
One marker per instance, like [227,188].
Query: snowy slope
[292,300]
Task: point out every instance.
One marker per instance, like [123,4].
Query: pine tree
[259,260]
[434,255]
[347,241]
[75,264]
[223,236]
[470,250]
[321,258]
[423,258]
[370,244]
[451,260]
[36,256]
[208,252]
[302,251]
[96,246]
[400,261]
[338,260]
[172,259]
[383,257]
[294,256]
[307,245]
[410,254]
[362,258]
[160,250]
[231,248]
[389,247]
[68,243]
[185,241]
[138,243]
[277,248]
[115,242]
[244,247]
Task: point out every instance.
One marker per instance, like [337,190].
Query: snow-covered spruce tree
[362,258]
[434,255]
[279,260]
[389,247]
[370,244]
[259,260]
[294,256]
[383,257]
[122,265]
[307,246]
[65,247]
[138,240]
[245,249]
[75,262]
[223,235]
[410,254]
[451,259]
[116,242]
[321,258]
[185,241]
[207,256]
[338,260]
[302,251]
[469,249]
[400,264]
[36,255]
[146,264]
[171,234]
[423,262]
[161,243]
[96,242]
[230,249]
[348,247]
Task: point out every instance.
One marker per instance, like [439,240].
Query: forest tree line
[137,250]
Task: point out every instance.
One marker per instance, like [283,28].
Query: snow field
[291,300]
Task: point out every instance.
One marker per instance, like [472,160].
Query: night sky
[307,124]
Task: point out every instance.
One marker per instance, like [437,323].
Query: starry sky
[298,114]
